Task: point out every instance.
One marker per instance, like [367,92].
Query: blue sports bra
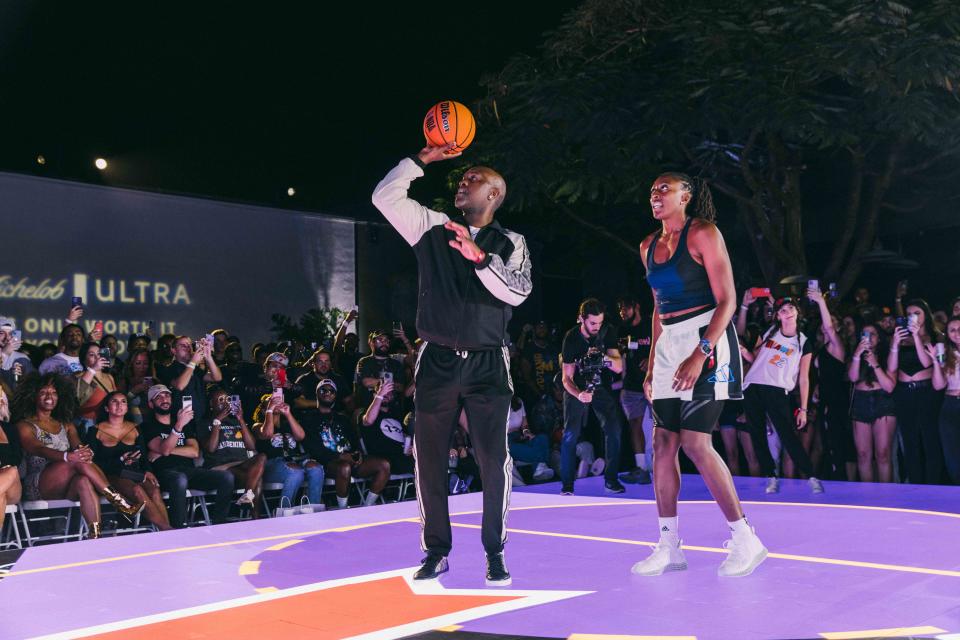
[679,283]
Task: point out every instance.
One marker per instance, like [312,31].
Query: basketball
[449,122]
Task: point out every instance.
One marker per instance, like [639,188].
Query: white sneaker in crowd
[666,556]
[815,485]
[542,473]
[773,485]
[746,554]
[598,466]
[247,498]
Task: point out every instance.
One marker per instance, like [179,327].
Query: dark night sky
[241,100]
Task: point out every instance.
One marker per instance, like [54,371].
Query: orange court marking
[338,612]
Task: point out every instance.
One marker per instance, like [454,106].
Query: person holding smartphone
[873,410]
[370,369]
[280,438]
[93,383]
[120,450]
[192,370]
[11,339]
[472,273]
[135,380]
[229,445]
[914,395]
[946,375]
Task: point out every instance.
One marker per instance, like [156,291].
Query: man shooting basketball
[472,272]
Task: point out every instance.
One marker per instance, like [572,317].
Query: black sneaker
[613,486]
[636,476]
[566,490]
[497,574]
[431,567]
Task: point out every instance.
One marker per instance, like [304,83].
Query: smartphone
[813,284]
[282,376]
[386,376]
[278,394]
[148,380]
[105,353]
[151,328]
[313,346]
[187,402]
[901,322]
[16,334]
[760,292]
[76,301]
[397,326]
[209,338]
[913,317]
[234,402]
[832,290]
[98,326]
[865,336]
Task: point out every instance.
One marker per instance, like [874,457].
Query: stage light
[291,191]
[100,163]
[41,160]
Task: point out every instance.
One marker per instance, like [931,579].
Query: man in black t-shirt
[332,441]
[371,369]
[187,374]
[589,360]
[322,369]
[173,448]
[381,428]
[634,344]
[540,360]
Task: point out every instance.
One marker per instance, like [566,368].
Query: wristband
[379,397]
[65,453]
[269,411]
[191,365]
[416,159]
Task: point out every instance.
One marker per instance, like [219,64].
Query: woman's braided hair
[700,196]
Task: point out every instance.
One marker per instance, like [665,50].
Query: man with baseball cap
[377,366]
[15,364]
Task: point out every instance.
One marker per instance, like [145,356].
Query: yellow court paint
[900,632]
[249,568]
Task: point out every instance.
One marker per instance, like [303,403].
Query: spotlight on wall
[100,163]
[291,191]
[41,159]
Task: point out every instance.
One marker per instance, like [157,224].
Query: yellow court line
[266,589]
[781,556]
[249,568]
[900,632]
[283,545]
[450,628]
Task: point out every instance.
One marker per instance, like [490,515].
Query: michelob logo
[105,290]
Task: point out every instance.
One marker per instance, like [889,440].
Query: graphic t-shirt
[372,367]
[328,435]
[575,347]
[230,446]
[151,429]
[777,362]
[636,342]
[196,387]
[545,362]
[62,364]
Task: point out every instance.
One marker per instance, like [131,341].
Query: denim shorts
[869,406]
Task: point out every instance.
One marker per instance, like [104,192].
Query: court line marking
[523,598]
[896,632]
[249,568]
[299,534]
[599,636]
[781,556]
[283,545]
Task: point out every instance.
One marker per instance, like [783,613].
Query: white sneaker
[247,498]
[583,468]
[773,484]
[542,472]
[598,466]
[666,556]
[746,554]
[815,485]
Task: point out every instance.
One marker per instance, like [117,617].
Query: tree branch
[929,162]
[602,231]
[854,196]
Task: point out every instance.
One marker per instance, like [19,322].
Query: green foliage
[315,325]
[745,94]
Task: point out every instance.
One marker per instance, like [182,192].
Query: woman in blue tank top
[694,365]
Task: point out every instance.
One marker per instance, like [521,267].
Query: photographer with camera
[589,358]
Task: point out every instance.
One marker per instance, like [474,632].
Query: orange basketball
[448,122]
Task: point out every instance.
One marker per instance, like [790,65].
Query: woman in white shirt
[781,360]
[526,446]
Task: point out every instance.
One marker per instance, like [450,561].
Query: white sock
[740,527]
[371,499]
[640,460]
[669,527]
[342,502]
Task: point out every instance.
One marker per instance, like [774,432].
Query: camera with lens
[591,367]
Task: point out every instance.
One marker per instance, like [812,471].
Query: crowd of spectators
[876,397]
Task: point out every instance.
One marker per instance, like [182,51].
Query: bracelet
[191,365]
[269,411]
[802,410]
[65,453]
[379,397]
[744,306]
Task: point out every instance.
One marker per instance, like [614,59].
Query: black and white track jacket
[461,305]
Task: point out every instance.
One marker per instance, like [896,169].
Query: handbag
[307,507]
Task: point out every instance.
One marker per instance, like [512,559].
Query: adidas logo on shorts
[723,374]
